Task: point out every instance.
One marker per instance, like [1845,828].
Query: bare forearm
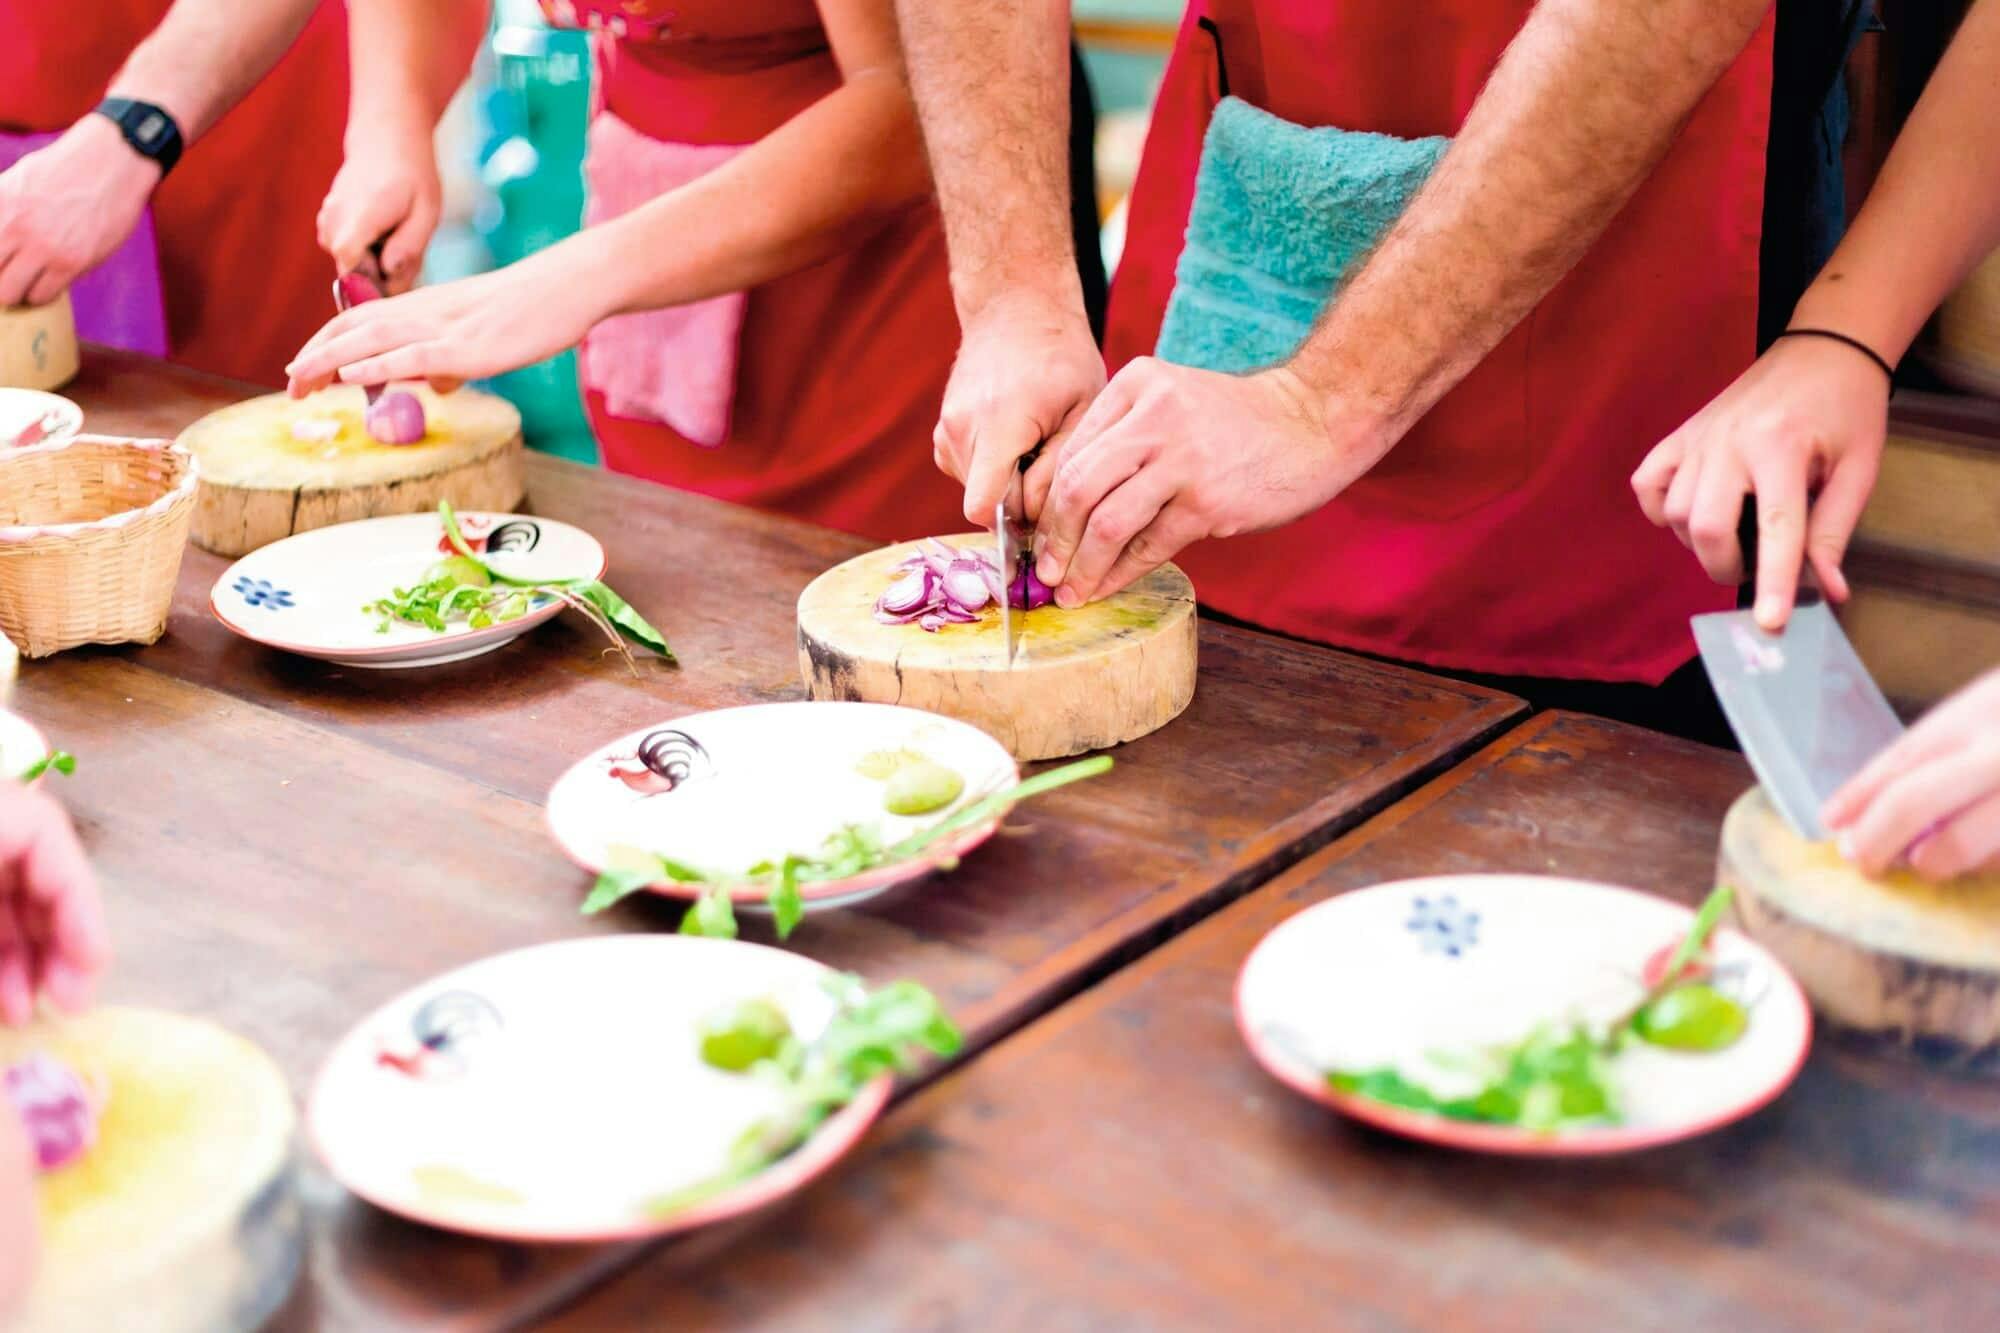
[205,56]
[410,57]
[992,83]
[810,190]
[1934,211]
[1583,104]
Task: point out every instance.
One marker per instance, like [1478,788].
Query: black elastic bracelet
[1855,343]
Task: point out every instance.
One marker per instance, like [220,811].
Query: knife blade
[1007,548]
[1802,705]
[1007,551]
[366,281]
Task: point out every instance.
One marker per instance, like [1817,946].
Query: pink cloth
[675,366]
[119,302]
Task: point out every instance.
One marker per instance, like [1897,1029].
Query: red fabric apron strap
[1501,534]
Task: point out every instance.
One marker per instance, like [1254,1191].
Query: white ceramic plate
[20,745]
[1386,975]
[552,1093]
[19,408]
[305,594]
[768,780]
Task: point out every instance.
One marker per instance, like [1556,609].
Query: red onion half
[397,417]
[55,1106]
[940,585]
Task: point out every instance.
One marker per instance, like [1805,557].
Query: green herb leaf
[615,886]
[711,915]
[62,761]
[620,613]
[871,1033]
[788,907]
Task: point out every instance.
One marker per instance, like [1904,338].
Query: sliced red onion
[397,417]
[907,593]
[55,1106]
[965,585]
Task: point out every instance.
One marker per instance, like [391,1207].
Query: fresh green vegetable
[739,1037]
[1559,1076]
[921,786]
[850,851]
[870,1034]
[1691,1018]
[62,761]
[463,587]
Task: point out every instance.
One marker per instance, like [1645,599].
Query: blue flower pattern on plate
[259,592]
[1442,926]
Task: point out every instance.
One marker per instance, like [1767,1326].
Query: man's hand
[1933,797]
[65,207]
[456,331]
[52,936]
[1026,372]
[387,190]
[1169,455]
[1808,417]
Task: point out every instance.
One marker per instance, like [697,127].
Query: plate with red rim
[1390,976]
[737,787]
[307,593]
[21,745]
[557,1093]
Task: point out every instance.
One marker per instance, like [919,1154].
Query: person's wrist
[1046,310]
[1875,323]
[99,149]
[1350,422]
[1045,294]
[399,126]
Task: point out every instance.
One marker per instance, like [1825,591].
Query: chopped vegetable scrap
[1560,1075]
[56,1106]
[849,851]
[871,1033]
[464,589]
[940,585]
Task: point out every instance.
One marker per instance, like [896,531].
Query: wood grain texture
[38,348]
[1081,680]
[290,843]
[1123,1164]
[259,485]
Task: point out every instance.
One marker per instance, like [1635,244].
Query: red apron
[840,368]
[1501,534]
[244,279]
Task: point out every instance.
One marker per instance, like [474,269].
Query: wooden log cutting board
[1899,957]
[260,481]
[1084,679]
[183,1216]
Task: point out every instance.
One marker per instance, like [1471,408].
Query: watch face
[151,129]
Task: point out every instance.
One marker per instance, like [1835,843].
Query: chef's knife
[1802,705]
[366,281]
[1007,548]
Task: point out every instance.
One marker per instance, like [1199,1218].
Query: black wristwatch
[153,133]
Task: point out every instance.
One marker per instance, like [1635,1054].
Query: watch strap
[150,130]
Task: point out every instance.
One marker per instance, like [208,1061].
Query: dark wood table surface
[1123,1163]
[286,844]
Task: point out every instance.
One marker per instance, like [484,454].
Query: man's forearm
[205,56]
[410,57]
[992,87]
[1581,107]
[1935,210]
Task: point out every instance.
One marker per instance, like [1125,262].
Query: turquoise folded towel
[1281,214]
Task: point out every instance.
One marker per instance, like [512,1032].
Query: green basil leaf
[711,915]
[62,761]
[620,613]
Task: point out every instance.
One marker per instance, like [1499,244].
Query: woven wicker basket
[92,531]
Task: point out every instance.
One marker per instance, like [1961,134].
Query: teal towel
[1281,214]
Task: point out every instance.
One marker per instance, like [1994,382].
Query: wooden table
[286,843]
[1123,1163]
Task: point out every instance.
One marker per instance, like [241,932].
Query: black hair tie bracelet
[1855,343]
